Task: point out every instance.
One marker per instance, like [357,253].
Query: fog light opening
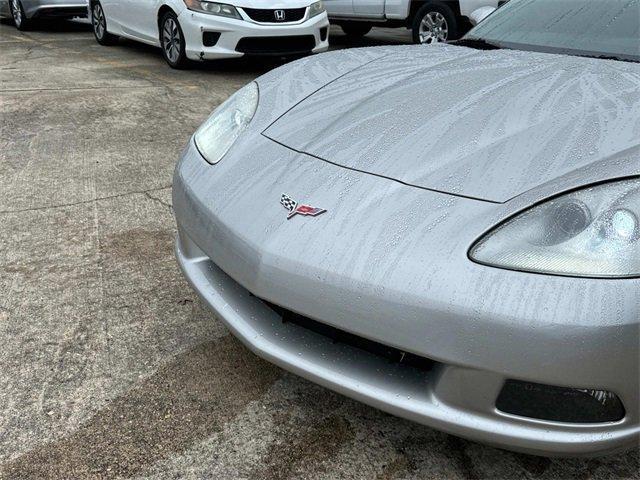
[210,39]
[559,404]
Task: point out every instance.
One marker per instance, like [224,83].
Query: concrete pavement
[110,367]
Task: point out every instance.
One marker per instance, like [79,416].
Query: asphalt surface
[109,365]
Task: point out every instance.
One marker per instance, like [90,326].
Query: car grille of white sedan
[276,15]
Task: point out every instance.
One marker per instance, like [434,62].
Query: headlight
[218,133]
[593,232]
[316,9]
[214,8]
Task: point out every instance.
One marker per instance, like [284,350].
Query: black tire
[20,20]
[172,42]
[356,29]
[99,23]
[441,12]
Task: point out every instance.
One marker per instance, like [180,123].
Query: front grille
[559,404]
[282,15]
[287,45]
[391,354]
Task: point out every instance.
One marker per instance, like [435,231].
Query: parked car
[451,233]
[430,21]
[202,30]
[24,12]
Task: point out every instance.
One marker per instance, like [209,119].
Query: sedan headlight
[593,232]
[316,9]
[217,134]
[214,8]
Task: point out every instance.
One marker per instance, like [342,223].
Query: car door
[139,19]
[339,8]
[369,8]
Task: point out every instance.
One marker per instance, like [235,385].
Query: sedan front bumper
[231,31]
[399,276]
[54,8]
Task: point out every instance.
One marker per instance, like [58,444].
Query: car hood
[488,125]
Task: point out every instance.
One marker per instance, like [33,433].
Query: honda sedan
[195,30]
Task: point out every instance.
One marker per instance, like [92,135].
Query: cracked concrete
[147,193]
[110,365]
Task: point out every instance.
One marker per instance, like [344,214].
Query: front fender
[468,8]
[480,14]
[283,88]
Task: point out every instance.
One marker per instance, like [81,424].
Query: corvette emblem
[295,208]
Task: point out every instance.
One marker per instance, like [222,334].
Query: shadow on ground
[185,401]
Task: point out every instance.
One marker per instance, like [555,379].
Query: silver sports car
[448,233]
[24,12]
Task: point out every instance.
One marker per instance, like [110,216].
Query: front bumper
[231,31]
[398,276]
[5,12]
[55,8]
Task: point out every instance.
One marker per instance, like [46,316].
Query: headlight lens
[214,8]
[217,134]
[593,232]
[316,9]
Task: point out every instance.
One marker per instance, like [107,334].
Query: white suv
[203,30]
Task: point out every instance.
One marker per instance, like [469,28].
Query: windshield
[598,28]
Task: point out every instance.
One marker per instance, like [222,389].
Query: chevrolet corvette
[449,233]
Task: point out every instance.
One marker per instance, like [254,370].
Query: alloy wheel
[171,40]
[99,22]
[433,28]
[16,11]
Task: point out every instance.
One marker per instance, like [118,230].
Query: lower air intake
[285,45]
[391,354]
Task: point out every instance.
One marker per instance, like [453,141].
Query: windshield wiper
[477,43]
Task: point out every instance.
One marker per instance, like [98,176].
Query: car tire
[356,29]
[172,42]
[20,20]
[99,23]
[434,22]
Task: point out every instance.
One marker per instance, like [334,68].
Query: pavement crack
[158,200]
[69,89]
[92,200]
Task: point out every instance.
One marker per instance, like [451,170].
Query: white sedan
[189,30]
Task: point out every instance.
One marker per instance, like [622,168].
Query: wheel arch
[162,11]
